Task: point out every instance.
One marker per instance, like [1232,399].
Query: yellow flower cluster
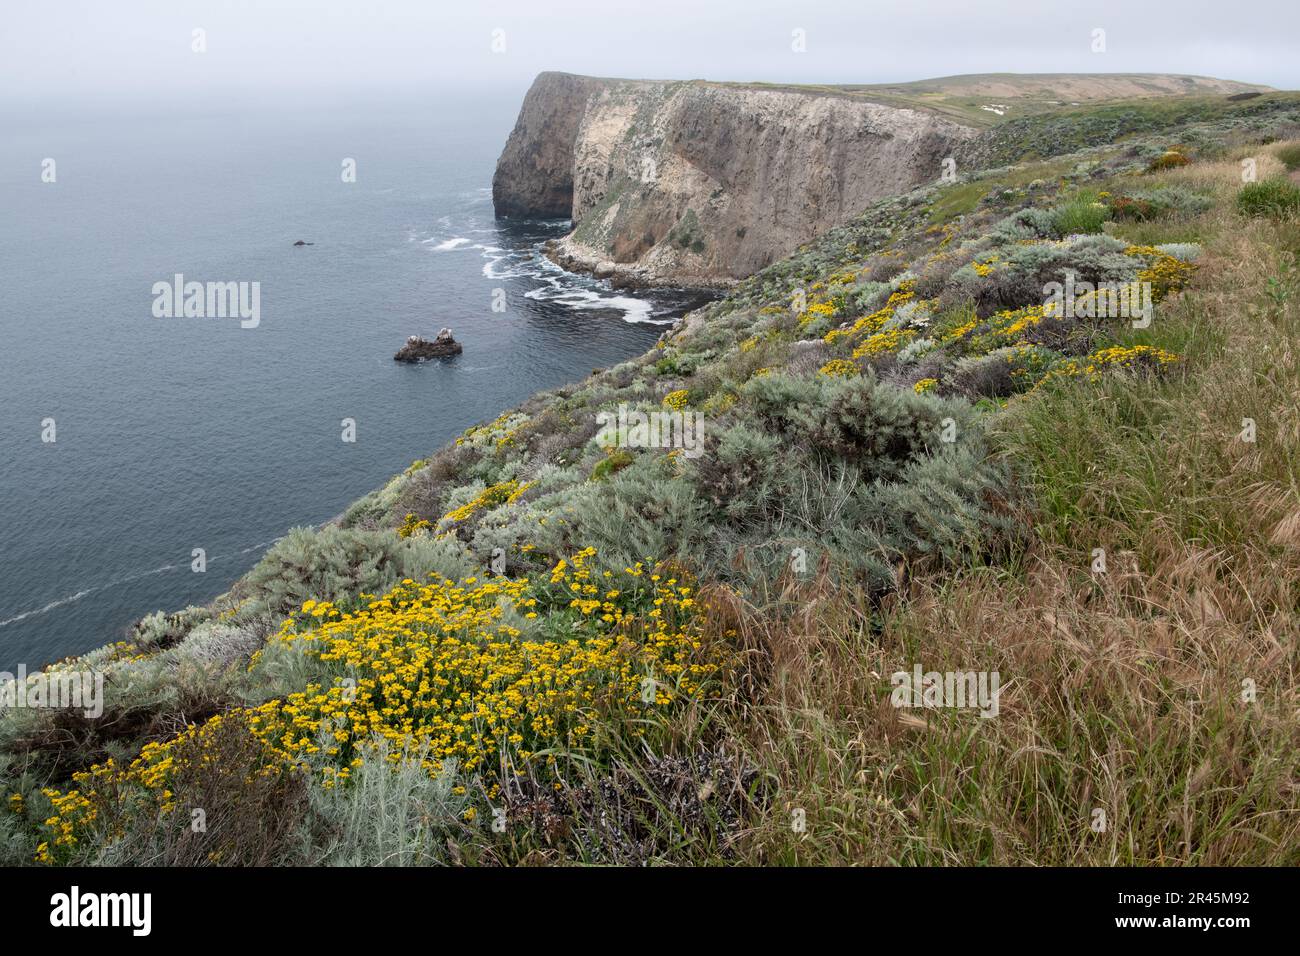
[506,492]
[925,385]
[73,812]
[1133,356]
[678,400]
[412,524]
[720,402]
[1008,326]
[1028,364]
[960,331]
[839,368]
[1004,328]
[904,293]
[889,340]
[870,324]
[818,310]
[146,782]
[1166,273]
[1100,303]
[1116,358]
[498,433]
[863,326]
[466,673]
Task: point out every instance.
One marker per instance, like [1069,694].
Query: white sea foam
[449,244]
[555,285]
[579,293]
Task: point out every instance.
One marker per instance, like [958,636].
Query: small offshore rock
[419,349]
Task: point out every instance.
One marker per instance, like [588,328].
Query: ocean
[178,433]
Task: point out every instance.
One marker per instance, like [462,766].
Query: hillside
[890,451]
[703,183]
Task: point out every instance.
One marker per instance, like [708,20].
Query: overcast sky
[95,51]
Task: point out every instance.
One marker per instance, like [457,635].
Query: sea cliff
[697,183]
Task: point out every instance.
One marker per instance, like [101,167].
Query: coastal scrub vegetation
[550,643]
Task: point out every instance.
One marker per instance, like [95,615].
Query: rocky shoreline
[573,256]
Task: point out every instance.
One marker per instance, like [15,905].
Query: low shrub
[881,426]
[392,813]
[1132,209]
[335,563]
[1018,276]
[1030,223]
[740,472]
[1001,373]
[1081,217]
[1170,159]
[645,509]
[1170,199]
[1272,198]
[1290,156]
[947,506]
[615,460]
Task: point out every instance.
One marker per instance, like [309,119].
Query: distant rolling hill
[984,99]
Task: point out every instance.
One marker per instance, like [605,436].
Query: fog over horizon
[85,54]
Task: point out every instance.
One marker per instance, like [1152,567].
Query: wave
[512,251]
[127,579]
[560,287]
[557,290]
[524,260]
[51,606]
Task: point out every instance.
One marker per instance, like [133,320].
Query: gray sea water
[172,434]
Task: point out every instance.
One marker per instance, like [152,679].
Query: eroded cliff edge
[697,183]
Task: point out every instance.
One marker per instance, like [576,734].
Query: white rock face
[704,183]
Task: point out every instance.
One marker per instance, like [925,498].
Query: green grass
[1082,215]
[1099,453]
[1157,232]
[958,199]
[1290,156]
[1272,197]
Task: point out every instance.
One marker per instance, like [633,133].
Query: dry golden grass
[1225,174]
[1124,697]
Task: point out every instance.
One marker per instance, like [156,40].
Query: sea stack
[419,349]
